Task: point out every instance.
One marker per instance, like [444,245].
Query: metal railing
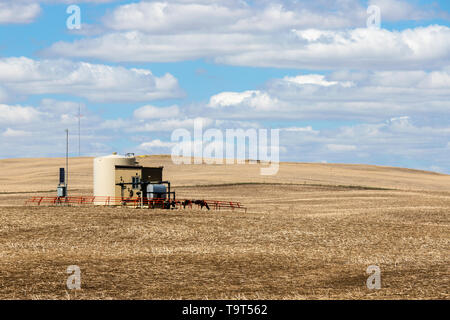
[133,202]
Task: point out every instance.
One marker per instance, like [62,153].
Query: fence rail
[135,202]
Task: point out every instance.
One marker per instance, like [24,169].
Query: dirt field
[310,233]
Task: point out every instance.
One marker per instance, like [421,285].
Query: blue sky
[338,90]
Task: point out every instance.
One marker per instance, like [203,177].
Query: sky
[339,89]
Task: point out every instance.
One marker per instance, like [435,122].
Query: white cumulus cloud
[96,82]
[316,79]
[11,133]
[18,12]
[287,34]
[253,98]
[154,144]
[364,96]
[152,112]
[18,114]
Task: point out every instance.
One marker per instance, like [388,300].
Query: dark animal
[186,203]
[201,203]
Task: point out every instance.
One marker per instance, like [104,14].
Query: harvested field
[310,233]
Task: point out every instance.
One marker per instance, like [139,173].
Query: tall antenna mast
[79,130]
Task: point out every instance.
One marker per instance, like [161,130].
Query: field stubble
[295,242]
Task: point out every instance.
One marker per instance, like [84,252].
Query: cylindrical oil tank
[104,175]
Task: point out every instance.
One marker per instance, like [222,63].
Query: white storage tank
[104,175]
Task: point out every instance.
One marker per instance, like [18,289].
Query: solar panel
[62,176]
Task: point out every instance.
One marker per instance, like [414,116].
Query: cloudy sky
[339,92]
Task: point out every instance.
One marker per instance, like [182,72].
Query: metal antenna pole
[67,158]
[79,130]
